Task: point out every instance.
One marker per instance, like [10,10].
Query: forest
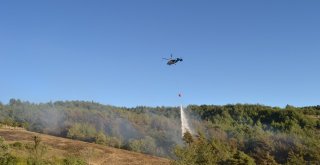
[221,134]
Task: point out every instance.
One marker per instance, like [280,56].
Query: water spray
[184,121]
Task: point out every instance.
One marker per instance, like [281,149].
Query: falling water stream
[184,121]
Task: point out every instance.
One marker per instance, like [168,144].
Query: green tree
[101,138]
[5,157]
[187,138]
[295,159]
[239,158]
[82,131]
[145,145]
[37,152]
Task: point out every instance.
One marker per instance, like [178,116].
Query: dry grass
[95,154]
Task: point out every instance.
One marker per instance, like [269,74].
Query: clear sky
[111,52]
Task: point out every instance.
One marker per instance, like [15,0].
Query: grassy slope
[58,148]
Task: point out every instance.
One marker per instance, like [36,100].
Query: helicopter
[172,60]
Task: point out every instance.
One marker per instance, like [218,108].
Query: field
[59,148]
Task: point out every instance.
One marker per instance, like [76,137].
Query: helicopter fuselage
[174,61]
[170,62]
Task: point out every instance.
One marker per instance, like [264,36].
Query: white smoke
[184,122]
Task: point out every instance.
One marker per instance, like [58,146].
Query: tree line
[228,134]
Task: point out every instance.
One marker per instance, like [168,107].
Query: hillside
[142,129]
[59,148]
[221,134]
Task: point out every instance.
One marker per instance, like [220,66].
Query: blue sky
[265,52]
